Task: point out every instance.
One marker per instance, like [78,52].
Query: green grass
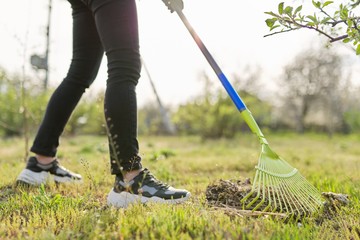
[80,211]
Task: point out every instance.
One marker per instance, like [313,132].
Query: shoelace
[58,165]
[152,179]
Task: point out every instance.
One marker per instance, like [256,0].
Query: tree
[340,23]
[312,90]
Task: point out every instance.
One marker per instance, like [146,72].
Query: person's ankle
[130,175]
[44,159]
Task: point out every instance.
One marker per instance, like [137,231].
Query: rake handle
[246,114]
[232,93]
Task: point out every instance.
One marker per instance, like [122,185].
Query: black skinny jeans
[100,26]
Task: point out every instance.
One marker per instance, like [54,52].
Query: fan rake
[277,186]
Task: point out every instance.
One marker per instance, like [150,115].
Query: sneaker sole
[38,178]
[124,199]
[58,179]
[33,178]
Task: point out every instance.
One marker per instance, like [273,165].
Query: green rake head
[278,187]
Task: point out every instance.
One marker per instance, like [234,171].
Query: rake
[277,186]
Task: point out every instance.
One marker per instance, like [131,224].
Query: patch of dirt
[332,204]
[228,194]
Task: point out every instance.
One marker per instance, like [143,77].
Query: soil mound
[227,194]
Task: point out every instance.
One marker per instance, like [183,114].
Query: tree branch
[292,21]
[334,22]
[282,31]
[339,38]
[318,30]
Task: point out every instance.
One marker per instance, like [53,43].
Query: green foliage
[341,24]
[352,119]
[214,115]
[22,106]
[88,117]
[18,107]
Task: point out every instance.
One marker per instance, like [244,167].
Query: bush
[215,115]
[22,106]
[88,117]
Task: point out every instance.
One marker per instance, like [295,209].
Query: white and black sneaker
[142,189]
[36,173]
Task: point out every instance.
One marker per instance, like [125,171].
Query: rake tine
[286,194]
[285,198]
[288,197]
[305,193]
[308,195]
[302,196]
[292,199]
[274,193]
[302,202]
[298,194]
[269,193]
[253,190]
[280,195]
[263,195]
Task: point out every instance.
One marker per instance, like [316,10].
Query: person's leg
[116,21]
[86,60]
[117,26]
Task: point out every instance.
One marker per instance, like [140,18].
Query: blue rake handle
[225,82]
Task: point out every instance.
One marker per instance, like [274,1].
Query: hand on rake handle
[174,5]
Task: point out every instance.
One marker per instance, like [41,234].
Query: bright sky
[232,30]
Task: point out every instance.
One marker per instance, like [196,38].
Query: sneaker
[36,173]
[142,189]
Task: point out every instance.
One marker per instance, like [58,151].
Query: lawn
[79,211]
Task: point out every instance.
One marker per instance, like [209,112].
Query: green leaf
[281,8]
[310,24]
[325,20]
[298,9]
[270,22]
[346,40]
[273,27]
[288,10]
[271,14]
[312,18]
[327,3]
[316,4]
[343,15]
[358,49]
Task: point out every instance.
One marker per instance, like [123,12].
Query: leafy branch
[340,25]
